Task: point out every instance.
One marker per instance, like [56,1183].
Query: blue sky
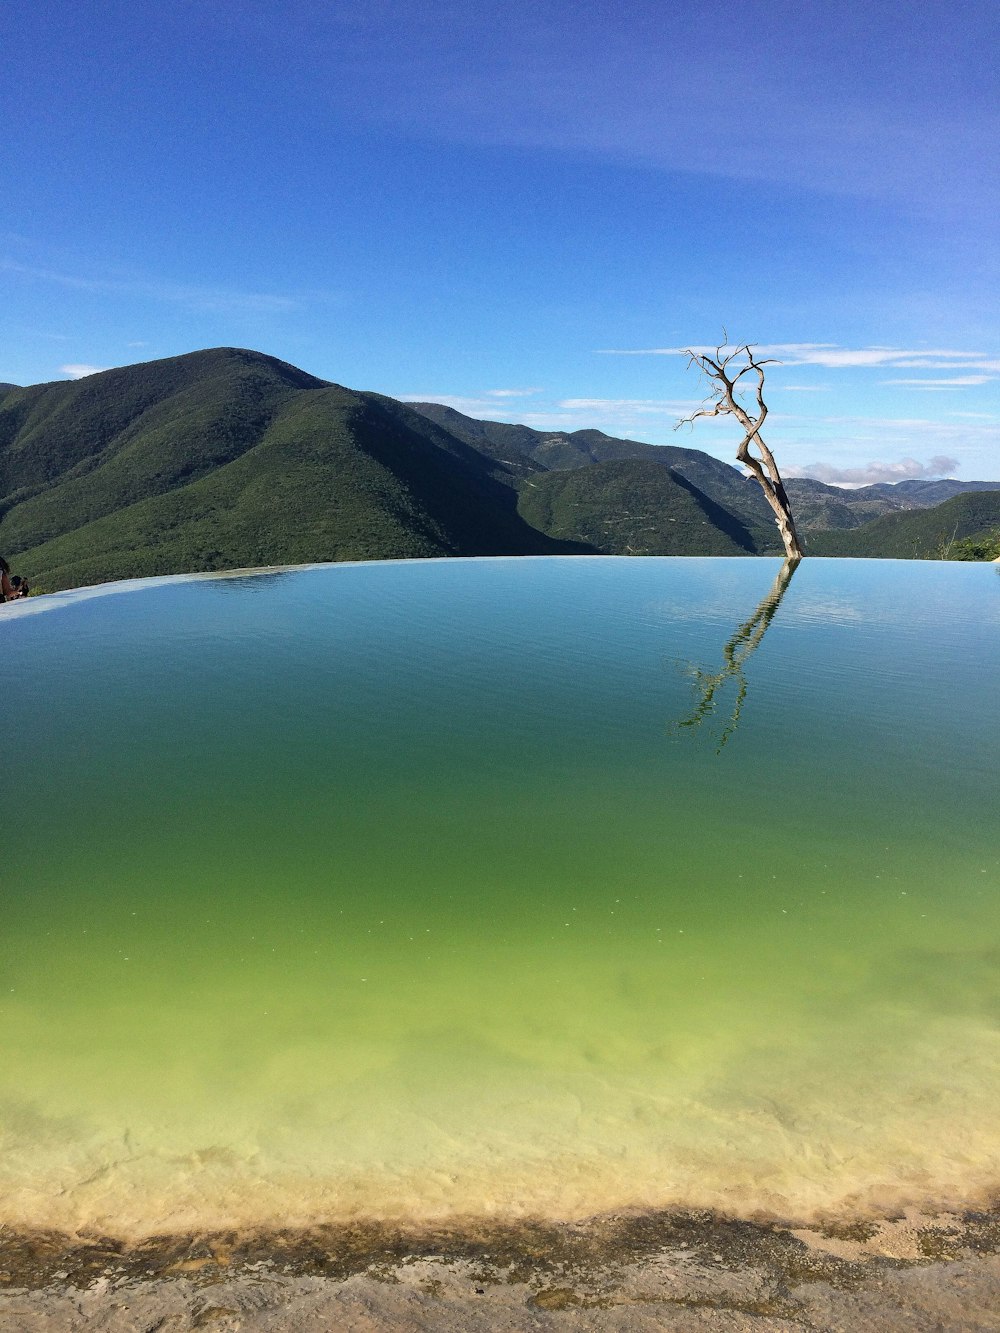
[522,208]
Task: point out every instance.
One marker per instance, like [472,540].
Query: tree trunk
[774,494]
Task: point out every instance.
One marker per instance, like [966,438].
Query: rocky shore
[640,1271]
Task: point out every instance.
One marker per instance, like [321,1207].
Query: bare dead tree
[724,371]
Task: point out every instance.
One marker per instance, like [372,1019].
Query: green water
[396,890]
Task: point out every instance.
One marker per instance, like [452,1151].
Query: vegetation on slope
[229,458]
[815,505]
[636,507]
[506,444]
[916,533]
[74,452]
[984,547]
[561,451]
[173,473]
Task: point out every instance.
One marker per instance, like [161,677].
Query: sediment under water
[437,889]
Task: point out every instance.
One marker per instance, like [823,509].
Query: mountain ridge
[815,504]
[228,457]
[558,451]
[818,505]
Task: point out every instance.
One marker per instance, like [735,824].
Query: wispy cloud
[955,382]
[820,118]
[834,357]
[905,469]
[846,440]
[639,406]
[616,416]
[470,407]
[218,300]
[78,370]
[857,426]
[488,401]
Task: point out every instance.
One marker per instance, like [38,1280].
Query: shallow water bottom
[570,1082]
[456,923]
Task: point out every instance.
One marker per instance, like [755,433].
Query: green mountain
[559,451]
[226,458]
[506,444]
[638,507]
[984,546]
[229,458]
[815,505]
[917,533]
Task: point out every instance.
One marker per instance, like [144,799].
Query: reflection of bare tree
[741,646]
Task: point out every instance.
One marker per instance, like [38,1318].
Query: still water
[501,887]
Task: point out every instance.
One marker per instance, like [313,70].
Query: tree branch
[722,396]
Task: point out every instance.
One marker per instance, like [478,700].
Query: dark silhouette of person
[12,586]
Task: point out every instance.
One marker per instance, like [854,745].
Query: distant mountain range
[818,506]
[229,458]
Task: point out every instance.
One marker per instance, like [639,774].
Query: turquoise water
[402,890]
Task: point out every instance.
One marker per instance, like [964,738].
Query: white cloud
[906,469]
[79,371]
[833,357]
[928,427]
[630,417]
[642,406]
[953,383]
[491,404]
[845,442]
[470,407]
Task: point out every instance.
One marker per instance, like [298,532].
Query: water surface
[398,890]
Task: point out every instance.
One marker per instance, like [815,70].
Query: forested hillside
[561,451]
[229,458]
[916,534]
[637,507]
